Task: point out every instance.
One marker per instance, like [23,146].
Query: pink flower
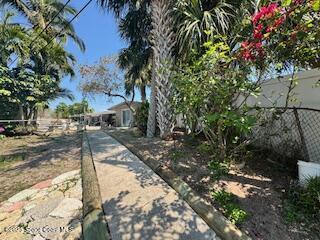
[247,55]
[258,31]
[2,129]
[258,45]
[245,44]
[279,21]
[265,12]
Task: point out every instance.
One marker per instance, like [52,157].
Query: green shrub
[231,209]
[204,148]
[142,117]
[218,169]
[2,137]
[303,203]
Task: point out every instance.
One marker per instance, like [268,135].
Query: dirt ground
[27,160]
[259,186]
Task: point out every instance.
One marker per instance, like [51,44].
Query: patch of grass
[229,204]
[7,160]
[218,169]
[302,204]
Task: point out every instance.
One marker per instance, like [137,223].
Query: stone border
[215,220]
[94,223]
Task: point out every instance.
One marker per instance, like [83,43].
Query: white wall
[274,92]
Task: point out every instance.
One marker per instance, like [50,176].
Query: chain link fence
[39,125]
[293,132]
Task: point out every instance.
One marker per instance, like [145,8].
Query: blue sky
[99,31]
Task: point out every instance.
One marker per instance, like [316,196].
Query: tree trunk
[152,121]
[163,41]
[143,93]
[35,116]
[21,115]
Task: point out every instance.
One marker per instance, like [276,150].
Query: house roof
[123,103]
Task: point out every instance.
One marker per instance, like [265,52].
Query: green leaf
[316,5]
[286,3]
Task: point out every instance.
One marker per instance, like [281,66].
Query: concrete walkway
[137,202]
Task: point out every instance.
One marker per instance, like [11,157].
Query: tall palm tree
[40,13]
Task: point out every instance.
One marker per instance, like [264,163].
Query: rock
[69,207]
[42,194]
[3,216]
[42,210]
[49,227]
[25,194]
[76,191]
[4,206]
[43,184]
[182,167]
[15,206]
[10,221]
[76,232]
[66,176]
[29,207]
[55,194]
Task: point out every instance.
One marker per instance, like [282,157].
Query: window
[126,118]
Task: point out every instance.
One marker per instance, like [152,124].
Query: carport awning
[97,114]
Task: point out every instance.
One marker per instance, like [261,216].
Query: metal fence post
[303,140]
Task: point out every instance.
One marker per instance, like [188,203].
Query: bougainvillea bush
[285,32]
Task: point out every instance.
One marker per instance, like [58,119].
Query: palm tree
[134,27]
[155,17]
[136,63]
[41,13]
[198,21]
[13,40]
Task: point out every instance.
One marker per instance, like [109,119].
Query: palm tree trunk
[152,121]
[163,41]
[143,93]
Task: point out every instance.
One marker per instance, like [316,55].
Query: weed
[218,169]
[232,210]
[303,203]
[6,160]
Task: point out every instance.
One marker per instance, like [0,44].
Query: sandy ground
[27,160]
[259,186]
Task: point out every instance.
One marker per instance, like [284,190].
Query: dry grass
[27,160]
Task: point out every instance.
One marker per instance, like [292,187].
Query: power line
[68,23]
[54,17]
[46,27]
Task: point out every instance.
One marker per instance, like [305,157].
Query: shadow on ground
[32,159]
